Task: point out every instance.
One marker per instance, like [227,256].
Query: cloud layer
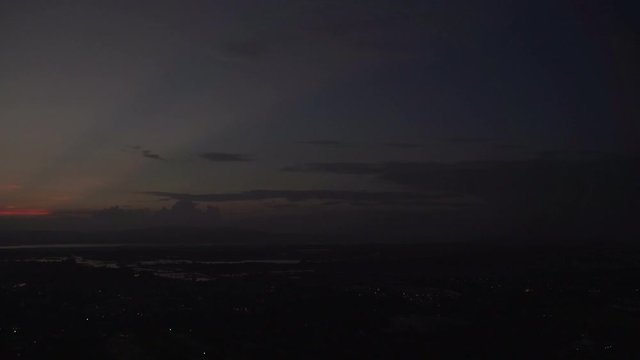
[353,197]
[606,189]
[146,153]
[225,157]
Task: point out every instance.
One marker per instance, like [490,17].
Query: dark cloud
[182,213]
[379,198]
[225,157]
[146,153]
[187,213]
[336,143]
[283,206]
[150,155]
[509,146]
[337,168]
[328,143]
[403,145]
[546,181]
[589,195]
[472,140]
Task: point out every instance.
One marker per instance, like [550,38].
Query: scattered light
[24,212]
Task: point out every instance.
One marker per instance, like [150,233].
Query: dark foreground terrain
[320,302]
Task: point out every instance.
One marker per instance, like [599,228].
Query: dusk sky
[296,109]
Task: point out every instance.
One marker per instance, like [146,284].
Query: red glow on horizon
[24,212]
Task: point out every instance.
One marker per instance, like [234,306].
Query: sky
[318,114]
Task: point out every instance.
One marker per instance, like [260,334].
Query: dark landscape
[318,301]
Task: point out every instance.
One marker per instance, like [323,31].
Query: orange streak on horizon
[24,212]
